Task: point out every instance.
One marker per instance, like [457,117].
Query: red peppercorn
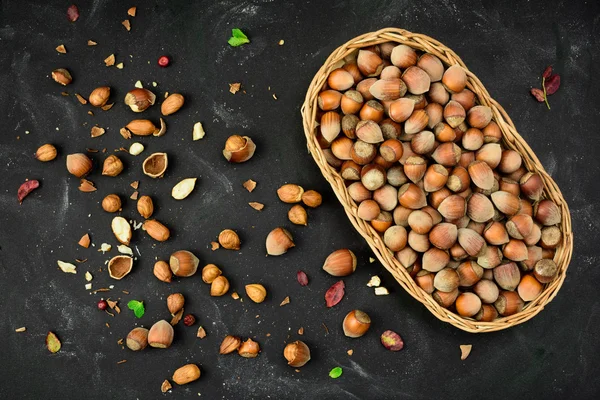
[189,320]
[102,305]
[163,61]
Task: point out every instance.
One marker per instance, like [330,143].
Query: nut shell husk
[120,266]
[278,242]
[155,165]
[139,99]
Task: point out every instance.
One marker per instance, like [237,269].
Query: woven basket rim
[510,138]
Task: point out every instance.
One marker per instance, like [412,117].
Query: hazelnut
[340,263]
[249,349]
[210,272]
[312,198]
[183,263]
[145,206]
[290,193]
[112,166]
[175,302]
[296,353]
[356,324]
[186,374]
[239,149]
[137,339]
[156,230]
[172,104]
[139,99]
[256,292]
[46,152]
[162,271]
[278,242]
[111,203]
[229,344]
[297,215]
[62,76]
[99,96]
[79,164]
[161,335]
[229,239]
[219,286]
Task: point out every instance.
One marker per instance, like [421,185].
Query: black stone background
[506,43]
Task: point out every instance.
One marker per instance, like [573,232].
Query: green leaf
[335,373]
[137,307]
[237,38]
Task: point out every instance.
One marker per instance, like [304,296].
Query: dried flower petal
[26,188]
[547,72]
[335,293]
[538,94]
[52,342]
[552,84]
[302,278]
[465,350]
[73,13]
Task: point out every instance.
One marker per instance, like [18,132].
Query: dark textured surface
[507,45]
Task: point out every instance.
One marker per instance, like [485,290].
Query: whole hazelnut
[161,335]
[219,286]
[296,353]
[137,339]
[162,271]
[112,166]
[111,203]
[175,302]
[356,324]
[183,263]
[256,292]
[46,152]
[312,198]
[210,272]
[79,164]
[145,206]
[139,99]
[229,239]
[99,96]
[278,242]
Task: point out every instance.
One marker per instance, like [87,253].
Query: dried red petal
[73,13]
[27,188]
[302,278]
[547,72]
[552,84]
[538,94]
[335,293]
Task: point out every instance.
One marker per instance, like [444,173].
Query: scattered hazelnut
[162,271]
[62,76]
[239,149]
[249,349]
[156,230]
[111,203]
[137,339]
[256,292]
[139,99]
[99,96]
[229,239]
[145,206]
[186,374]
[229,344]
[219,286]
[312,198]
[356,324]
[79,164]
[296,353]
[297,215]
[210,272]
[290,193]
[46,152]
[340,263]
[175,302]
[183,263]
[161,335]
[113,166]
[278,242]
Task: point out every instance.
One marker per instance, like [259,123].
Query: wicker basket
[511,140]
